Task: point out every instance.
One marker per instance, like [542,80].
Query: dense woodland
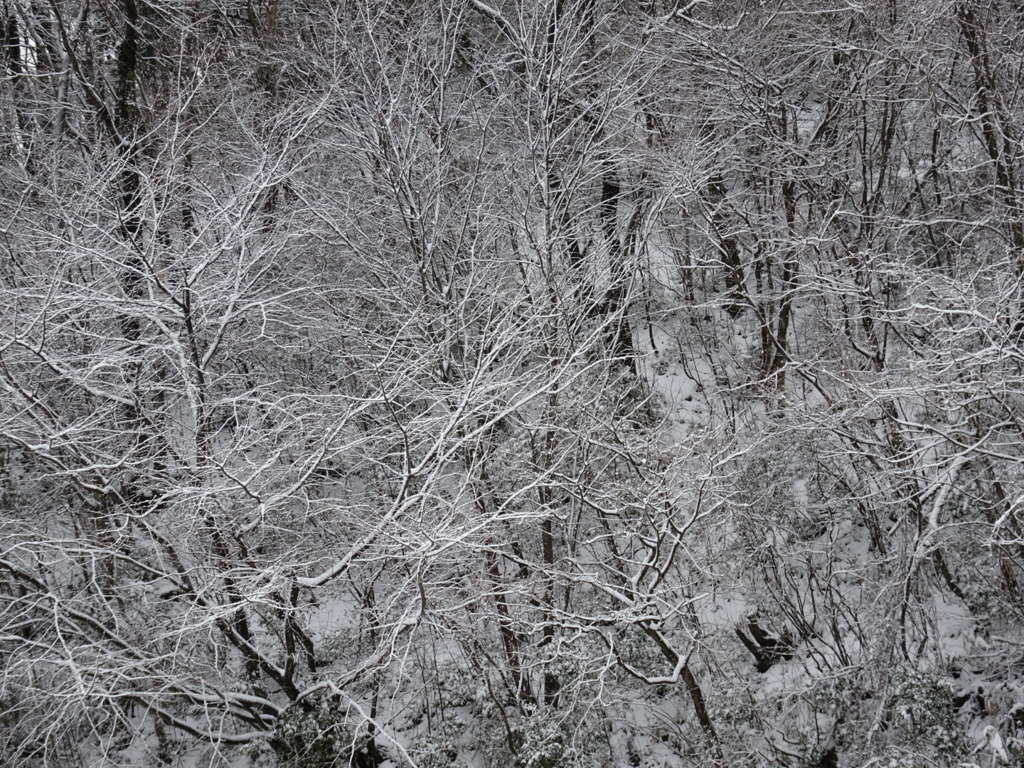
[511,383]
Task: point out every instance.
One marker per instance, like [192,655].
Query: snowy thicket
[534,383]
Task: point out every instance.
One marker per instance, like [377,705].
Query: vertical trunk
[10,44]
[126,125]
[236,626]
[701,710]
[693,689]
[1001,143]
[547,498]
[509,640]
[777,317]
[728,247]
[620,333]
[551,682]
